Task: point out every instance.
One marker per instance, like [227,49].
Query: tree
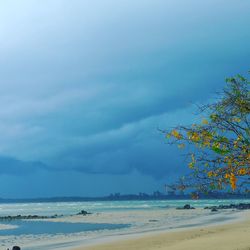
[220,143]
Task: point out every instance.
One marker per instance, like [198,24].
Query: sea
[72,208]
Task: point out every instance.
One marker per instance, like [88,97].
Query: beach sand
[231,236]
[197,229]
[6,226]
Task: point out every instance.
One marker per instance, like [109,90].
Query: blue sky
[84,85]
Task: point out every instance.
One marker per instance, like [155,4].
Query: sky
[85,86]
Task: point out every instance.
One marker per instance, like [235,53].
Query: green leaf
[240,77]
[220,151]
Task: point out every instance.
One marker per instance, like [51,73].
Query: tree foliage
[220,143]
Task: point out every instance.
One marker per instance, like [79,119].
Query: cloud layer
[84,85]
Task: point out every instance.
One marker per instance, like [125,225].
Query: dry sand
[233,236]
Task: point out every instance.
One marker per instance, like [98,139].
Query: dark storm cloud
[84,85]
[12,166]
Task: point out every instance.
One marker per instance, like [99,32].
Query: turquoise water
[46,227]
[68,208]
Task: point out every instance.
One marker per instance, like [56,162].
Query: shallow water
[46,227]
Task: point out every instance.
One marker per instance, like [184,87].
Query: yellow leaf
[233,181]
[236,119]
[191,165]
[176,134]
[194,136]
[205,121]
[210,174]
[242,171]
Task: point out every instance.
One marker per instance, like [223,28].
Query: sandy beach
[231,236]
[148,230]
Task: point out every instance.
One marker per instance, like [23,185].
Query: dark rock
[16,248]
[243,206]
[213,207]
[83,212]
[187,206]
[214,210]
[240,206]
[153,220]
[24,217]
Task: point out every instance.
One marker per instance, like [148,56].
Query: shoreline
[232,234]
[144,224]
[222,218]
